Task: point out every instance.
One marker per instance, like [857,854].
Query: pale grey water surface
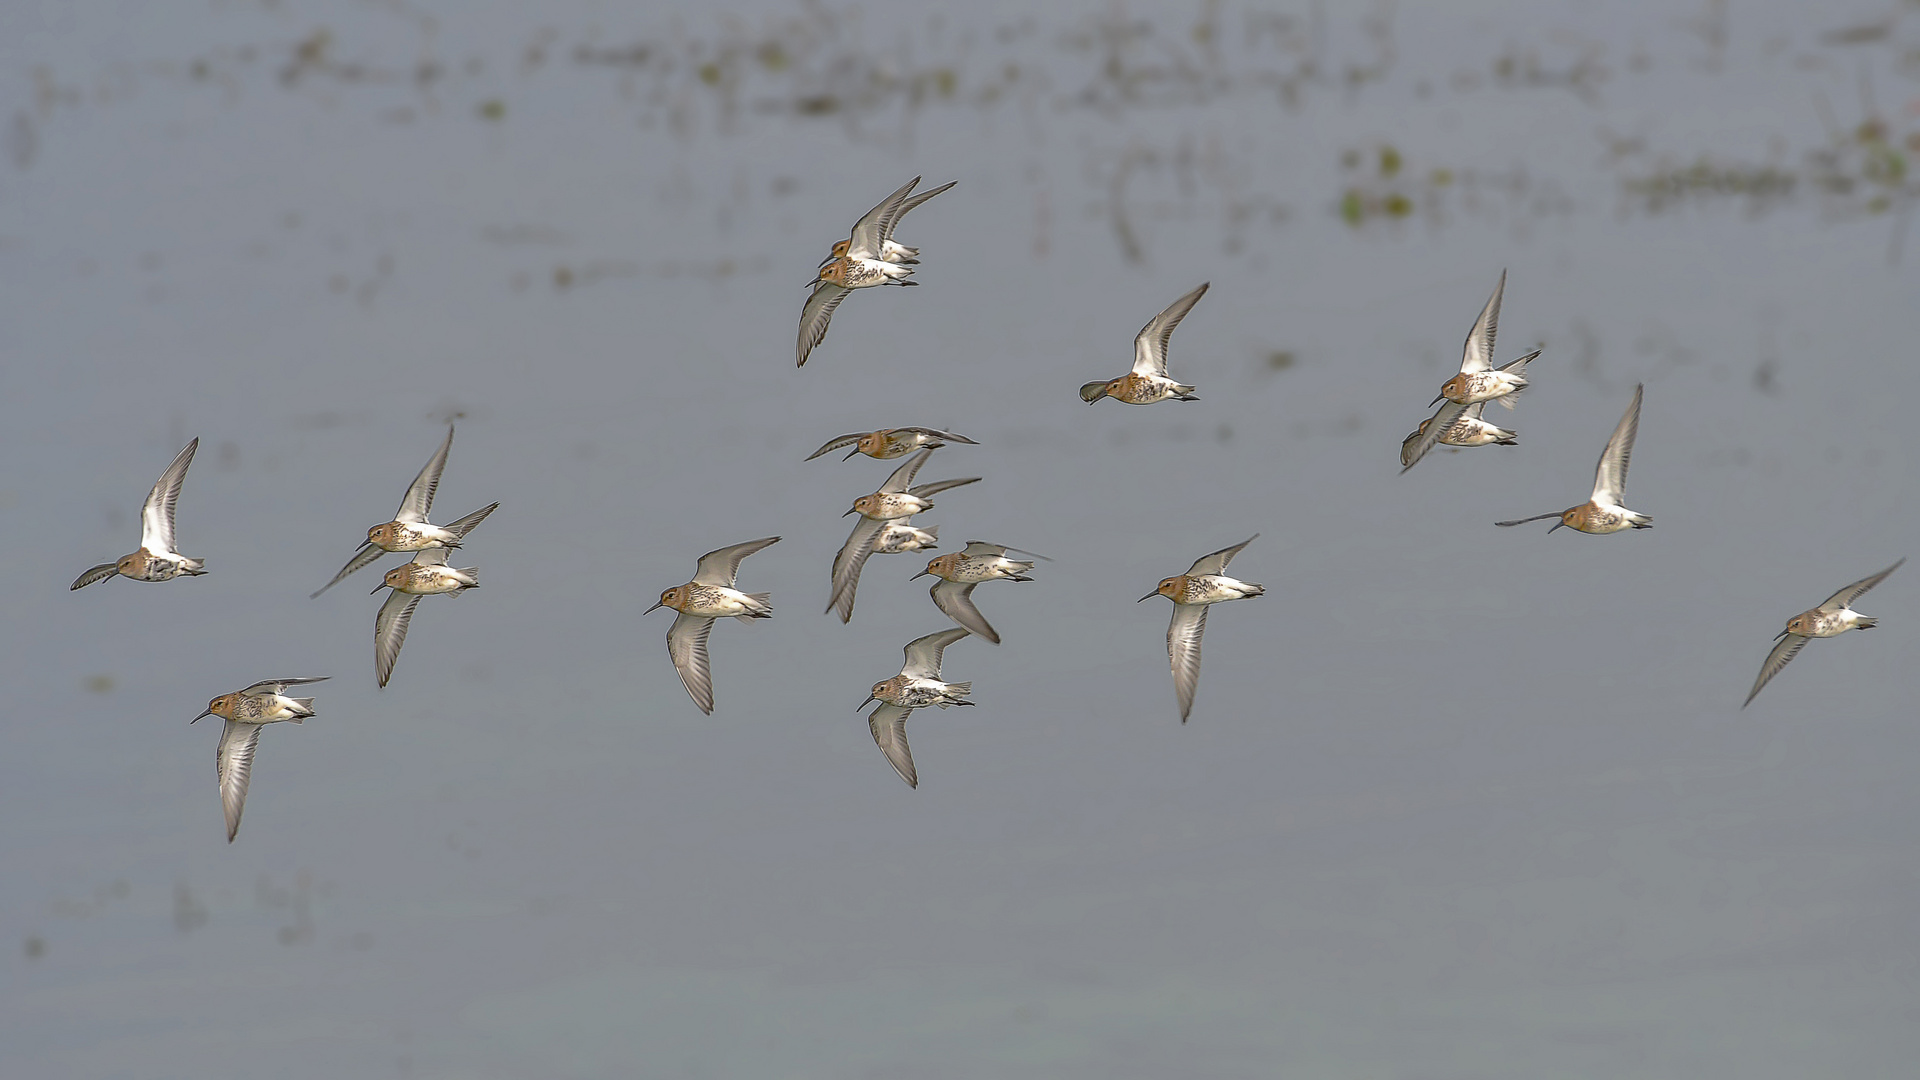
[1456,801]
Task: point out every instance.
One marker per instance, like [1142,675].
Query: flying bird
[426,575]
[1477,383]
[410,530]
[1604,513]
[861,265]
[1465,429]
[709,596]
[1149,382]
[961,570]
[156,560]
[246,712]
[890,251]
[1833,617]
[1203,585]
[917,686]
[889,443]
[895,500]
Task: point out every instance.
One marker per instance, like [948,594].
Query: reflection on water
[830,66]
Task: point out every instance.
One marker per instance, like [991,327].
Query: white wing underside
[1787,648]
[889,726]
[1183,651]
[1478,354]
[233,765]
[1216,563]
[815,316]
[156,516]
[1150,345]
[1610,478]
[687,645]
[1437,426]
[1845,597]
[847,564]
[956,601]
[871,233]
[390,631]
[902,478]
[924,653]
[418,502]
[722,566]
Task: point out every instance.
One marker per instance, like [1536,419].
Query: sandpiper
[1603,513]
[1148,382]
[156,560]
[1478,380]
[1459,425]
[961,570]
[1204,584]
[890,251]
[410,530]
[889,443]
[901,535]
[426,575]
[917,686]
[894,500]
[861,266]
[1833,617]
[245,712]
[709,596]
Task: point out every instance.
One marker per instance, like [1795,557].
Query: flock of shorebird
[870,257]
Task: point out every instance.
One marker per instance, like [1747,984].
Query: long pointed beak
[1148,597]
[850,454]
[1781,634]
[870,700]
[1437,399]
[196,719]
[1556,525]
[656,604]
[850,512]
[378,587]
[921,574]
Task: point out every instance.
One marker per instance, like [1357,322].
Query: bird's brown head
[221,706]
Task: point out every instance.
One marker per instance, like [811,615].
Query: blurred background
[1455,801]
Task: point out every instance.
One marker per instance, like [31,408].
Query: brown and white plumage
[889,443]
[246,712]
[1605,512]
[410,530]
[1833,617]
[1202,586]
[960,571]
[897,498]
[918,685]
[1478,380]
[156,560]
[1454,424]
[427,574]
[710,595]
[861,265]
[1148,382]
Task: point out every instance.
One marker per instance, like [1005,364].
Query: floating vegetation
[1862,170]
[872,75]
[1378,185]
